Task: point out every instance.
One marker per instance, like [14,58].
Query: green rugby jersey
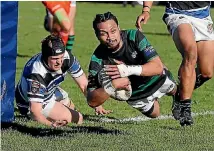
[136,50]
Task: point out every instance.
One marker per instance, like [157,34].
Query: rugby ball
[118,94]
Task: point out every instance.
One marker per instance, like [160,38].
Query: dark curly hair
[102,18]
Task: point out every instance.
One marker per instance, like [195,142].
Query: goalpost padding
[9,20]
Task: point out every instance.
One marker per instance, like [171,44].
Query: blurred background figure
[140,2]
[60,18]
[133,3]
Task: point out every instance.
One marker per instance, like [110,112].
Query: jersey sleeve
[94,68]
[145,48]
[75,69]
[35,88]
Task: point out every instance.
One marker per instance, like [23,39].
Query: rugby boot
[185,113]
[176,106]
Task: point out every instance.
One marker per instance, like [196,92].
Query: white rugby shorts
[145,104]
[59,96]
[202,28]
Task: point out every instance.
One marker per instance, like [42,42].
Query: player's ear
[118,27]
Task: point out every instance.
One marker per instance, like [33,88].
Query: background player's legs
[205,61]
[185,42]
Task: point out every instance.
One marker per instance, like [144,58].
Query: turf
[152,135]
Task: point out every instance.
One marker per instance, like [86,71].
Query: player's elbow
[160,68]
[91,102]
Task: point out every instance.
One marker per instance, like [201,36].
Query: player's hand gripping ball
[119,89]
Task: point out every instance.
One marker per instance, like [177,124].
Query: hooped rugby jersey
[136,50]
[197,9]
[187,5]
[38,84]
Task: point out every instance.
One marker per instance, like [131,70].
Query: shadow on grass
[96,118]
[23,56]
[171,128]
[107,119]
[59,132]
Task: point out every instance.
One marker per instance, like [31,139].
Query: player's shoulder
[101,52]
[35,66]
[68,60]
[132,34]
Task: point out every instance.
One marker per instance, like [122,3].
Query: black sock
[199,78]
[186,103]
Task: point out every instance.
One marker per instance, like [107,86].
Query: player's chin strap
[127,70]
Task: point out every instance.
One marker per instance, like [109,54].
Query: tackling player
[38,92]
[127,54]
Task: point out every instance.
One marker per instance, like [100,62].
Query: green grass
[153,135]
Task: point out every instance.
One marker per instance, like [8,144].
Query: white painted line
[144,118]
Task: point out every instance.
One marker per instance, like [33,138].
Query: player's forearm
[152,68]
[97,97]
[41,118]
[147,5]
[82,82]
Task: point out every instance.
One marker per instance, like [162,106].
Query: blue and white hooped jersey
[190,8]
[38,84]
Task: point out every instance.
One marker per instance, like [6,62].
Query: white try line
[144,118]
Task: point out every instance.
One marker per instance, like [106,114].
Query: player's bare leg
[187,46]
[60,112]
[205,60]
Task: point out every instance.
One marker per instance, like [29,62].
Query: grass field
[94,134]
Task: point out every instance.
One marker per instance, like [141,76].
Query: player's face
[109,34]
[55,62]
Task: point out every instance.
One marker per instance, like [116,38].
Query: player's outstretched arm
[97,97]
[151,68]
[82,82]
[145,15]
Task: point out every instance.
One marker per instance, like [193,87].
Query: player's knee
[207,74]
[153,112]
[190,55]
[173,91]
[66,27]
[190,49]
[190,60]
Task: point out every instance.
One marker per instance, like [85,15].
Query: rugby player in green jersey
[127,54]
